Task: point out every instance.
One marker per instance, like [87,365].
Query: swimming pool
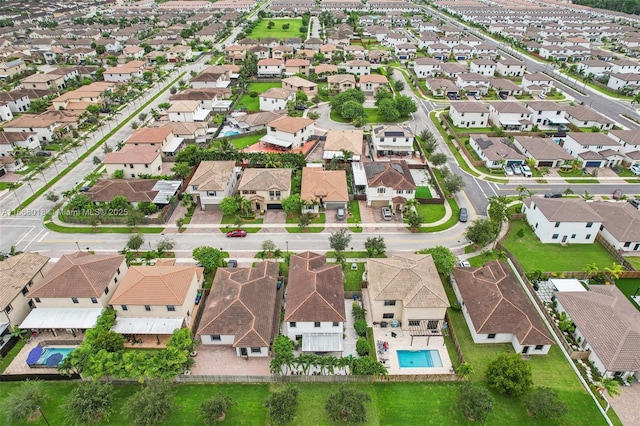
[231,133]
[423,358]
[53,353]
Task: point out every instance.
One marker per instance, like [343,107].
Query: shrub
[362,346]
[357,311]
[253,94]
[360,326]
[543,402]
[473,402]
[509,374]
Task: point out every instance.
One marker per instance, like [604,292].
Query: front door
[258,206]
[525,350]
[243,351]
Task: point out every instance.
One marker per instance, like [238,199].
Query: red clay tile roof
[134,190]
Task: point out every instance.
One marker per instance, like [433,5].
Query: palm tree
[615,271]
[610,385]
[592,269]
[587,196]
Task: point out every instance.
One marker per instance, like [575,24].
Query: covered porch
[146,332]
[71,320]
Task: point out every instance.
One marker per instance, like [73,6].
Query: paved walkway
[626,404]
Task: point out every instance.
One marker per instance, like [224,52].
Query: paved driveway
[626,404]
[223,361]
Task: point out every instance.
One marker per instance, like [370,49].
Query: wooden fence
[434,182]
[454,339]
[616,254]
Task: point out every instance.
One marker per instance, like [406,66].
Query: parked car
[516,169]
[635,202]
[542,96]
[463,215]
[232,263]
[301,107]
[465,264]
[526,171]
[476,97]
[386,213]
[84,188]
[508,171]
[617,194]
[503,96]
[453,96]
[43,154]
[340,215]
[236,233]
[635,169]
[553,194]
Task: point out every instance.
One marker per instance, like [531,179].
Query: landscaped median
[86,154]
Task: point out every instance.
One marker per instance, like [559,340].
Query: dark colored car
[301,107]
[232,263]
[43,154]
[553,195]
[236,233]
[463,216]
[85,188]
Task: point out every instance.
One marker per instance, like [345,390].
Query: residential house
[156,300]
[315,308]
[629,141]
[505,87]
[9,141]
[341,82]
[214,98]
[134,52]
[135,191]
[338,142]
[323,189]
[625,66]
[630,82]
[439,51]
[469,114]
[596,67]
[72,294]
[452,69]
[80,98]
[441,87]
[294,42]
[510,116]
[358,67]
[44,82]
[548,115]
[584,117]
[161,137]
[46,125]
[270,67]
[235,53]
[328,50]
[296,66]
[212,181]
[243,310]
[495,151]
[354,52]
[497,310]
[620,224]
[473,83]
[275,99]
[281,52]
[189,132]
[405,51]
[510,67]
[389,184]
[544,151]
[18,101]
[10,68]
[607,325]
[595,149]
[485,67]
[134,161]
[211,77]
[252,122]
[426,67]
[562,220]
[296,84]
[405,289]
[18,275]
[463,52]
[536,83]
[188,111]
[179,53]
[323,70]
[130,71]
[392,140]
[371,83]
[265,188]
[289,132]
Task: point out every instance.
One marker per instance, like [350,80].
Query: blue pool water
[231,133]
[51,351]
[415,359]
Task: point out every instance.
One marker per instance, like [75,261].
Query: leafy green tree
[52,196]
[135,241]
[381,95]
[100,49]
[443,258]
[80,202]
[301,97]
[453,183]
[473,402]
[24,400]
[398,85]
[387,108]
[405,105]
[283,354]
[304,220]
[438,159]
[339,241]
[89,402]
[367,366]
[414,219]
[292,204]
[119,203]
[543,402]
[228,206]
[509,374]
[350,110]
[165,245]
[149,406]
[375,246]
[118,174]
[215,409]
[362,346]
[481,231]
[360,325]
[338,100]
[347,404]
[134,217]
[283,405]
[147,207]
[210,258]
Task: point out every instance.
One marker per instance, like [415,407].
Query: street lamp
[287,243]
[78,245]
[43,417]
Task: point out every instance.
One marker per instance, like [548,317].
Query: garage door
[379,203]
[545,164]
[274,206]
[593,164]
[334,206]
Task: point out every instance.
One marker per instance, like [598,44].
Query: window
[115,280]
[124,307]
[381,190]
[25,291]
[573,236]
[118,271]
[8,309]
[74,299]
[539,347]
[336,324]
[316,324]
[627,244]
[491,336]
[147,308]
[387,316]
[211,193]
[37,299]
[30,283]
[94,300]
[414,323]
[255,350]
[171,308]
[554,236]
[589,224]
[292,324]
[557,225]
[588,237]
[274,195]
[216,337]
[106,290]
[389,303]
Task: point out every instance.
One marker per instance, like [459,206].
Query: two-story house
[130,71]
[548,115]
[289,132]
[299,84]
[134,161]
[510,116]
[212,77]
[392,140]
[620,224]
[296,66]
[510,67]
[426,67]
[584,117]
[358,67]
[473,83]
[469,114]
[315,309]
[265,188]
[389,184]
[341,82]
[160,137]
[9,141]
[594,149]
[485,67]
[536,83]
[371,83]
[212,181]
[188,111]
[275,99]
[562,220]
[270,67]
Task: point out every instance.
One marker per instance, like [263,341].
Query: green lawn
[481,259]
[102,229]
[634,260]
[629,287]
[431,212]
[372,117]
[8,359]
[245,141]
[246,224]
[262,30]
[354,216]
[423,192]
[352,278]
[295,219]
[532,254]
[253,104]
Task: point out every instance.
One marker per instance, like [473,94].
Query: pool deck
[19,364]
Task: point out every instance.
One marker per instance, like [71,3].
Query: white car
[542,96]
[464,264]
[635,169]
[526,171]
[516,169]
[508,171]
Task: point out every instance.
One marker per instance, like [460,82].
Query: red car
[236,233]
[617,194]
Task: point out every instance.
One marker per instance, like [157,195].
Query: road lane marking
[42,238]
[25,235]
[33,239]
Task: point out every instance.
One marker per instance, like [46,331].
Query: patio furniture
[34,355]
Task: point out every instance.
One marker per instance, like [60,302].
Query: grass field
[245,141]
[431,212]
[372,117]
[262,30]
[634,260]
[423,192]
[532,254]
[629,287]
[253,104]
[353,278]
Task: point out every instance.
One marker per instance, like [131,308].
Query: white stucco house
[275,99]
[389,184]
[620,224]
[469,114]
[562,220]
